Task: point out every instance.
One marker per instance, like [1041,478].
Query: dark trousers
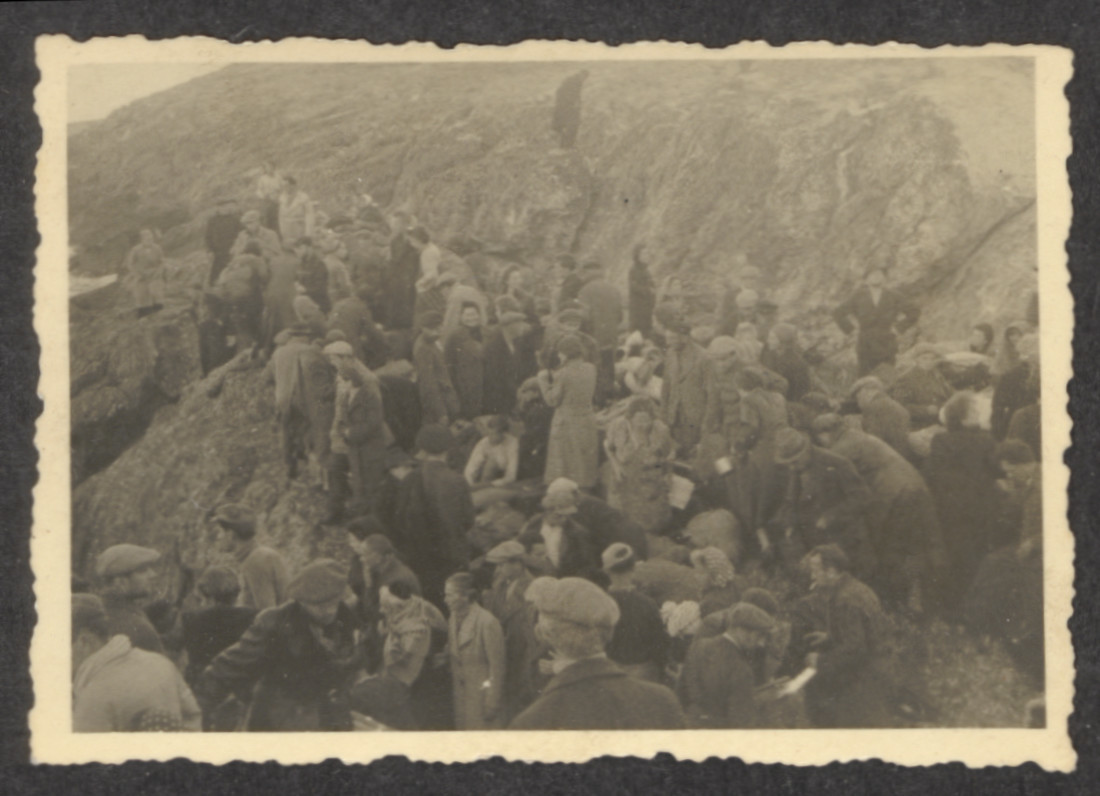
[269,214]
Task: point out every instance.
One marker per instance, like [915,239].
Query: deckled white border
[50,721]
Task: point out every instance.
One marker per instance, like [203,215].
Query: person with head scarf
[639,447]
[573,445]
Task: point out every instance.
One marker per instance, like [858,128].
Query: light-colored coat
[573,448]
[477,669]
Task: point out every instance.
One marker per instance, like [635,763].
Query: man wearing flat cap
[825,501]
[558,545]
[718,684]
[506,600]
[576,618]
[922,389]
[263,571]
[128,577]
[298,659]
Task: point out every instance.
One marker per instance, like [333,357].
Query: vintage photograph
[559,393]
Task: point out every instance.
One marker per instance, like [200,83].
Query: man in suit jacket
[438,398]
[558,545]
[881,314]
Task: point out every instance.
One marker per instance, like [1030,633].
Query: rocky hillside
[813,170]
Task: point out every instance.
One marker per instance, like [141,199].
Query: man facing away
[588,692]
[118,687]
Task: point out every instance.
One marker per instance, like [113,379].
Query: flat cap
[563,485]
[509,317]
[318,582]
[571,315]
[762,599]
[747,299]
[617,554]
[335,335]
[122,559]
[434,439]
[249,216]
[790,443]
[506,551]
[300,329]
[574,600]
[235,516]
[827,423]
[88,610]
[340,348]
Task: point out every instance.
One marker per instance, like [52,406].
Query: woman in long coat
[573,450]
[475,643]
[638,448]
[465,357]
[962,473]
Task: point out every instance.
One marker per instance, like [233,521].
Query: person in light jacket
[475,643]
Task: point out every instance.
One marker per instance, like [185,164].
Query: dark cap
[319,582]
[434,439]
[789,445]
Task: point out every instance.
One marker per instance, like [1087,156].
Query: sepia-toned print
[526,401]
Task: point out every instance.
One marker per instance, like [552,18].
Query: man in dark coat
[640,644]
[557,544]
[222,230]
[642,294]
[571,282]
[434,513]
[922,389]
[353,318]
[129,579]
[851,687]
[588,691]
[825,501]
[218,623]
[399,279]
[312,274]
[301,656]
[605,525]
[882,416]
[438,398]
[567,108]
[882,314]
[464,353]
[902,522]
[503,365]
[783,356]
[684,389]
[506,600]
[605,314]
[718,684]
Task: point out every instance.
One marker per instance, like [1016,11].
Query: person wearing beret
[881,314]
[118,687]
[825,500]
[718,682]
[576,618]
[922,389]
[433,513]
[129,577]
[298,659]
[263,570]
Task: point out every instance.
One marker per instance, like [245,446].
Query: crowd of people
[569,506]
